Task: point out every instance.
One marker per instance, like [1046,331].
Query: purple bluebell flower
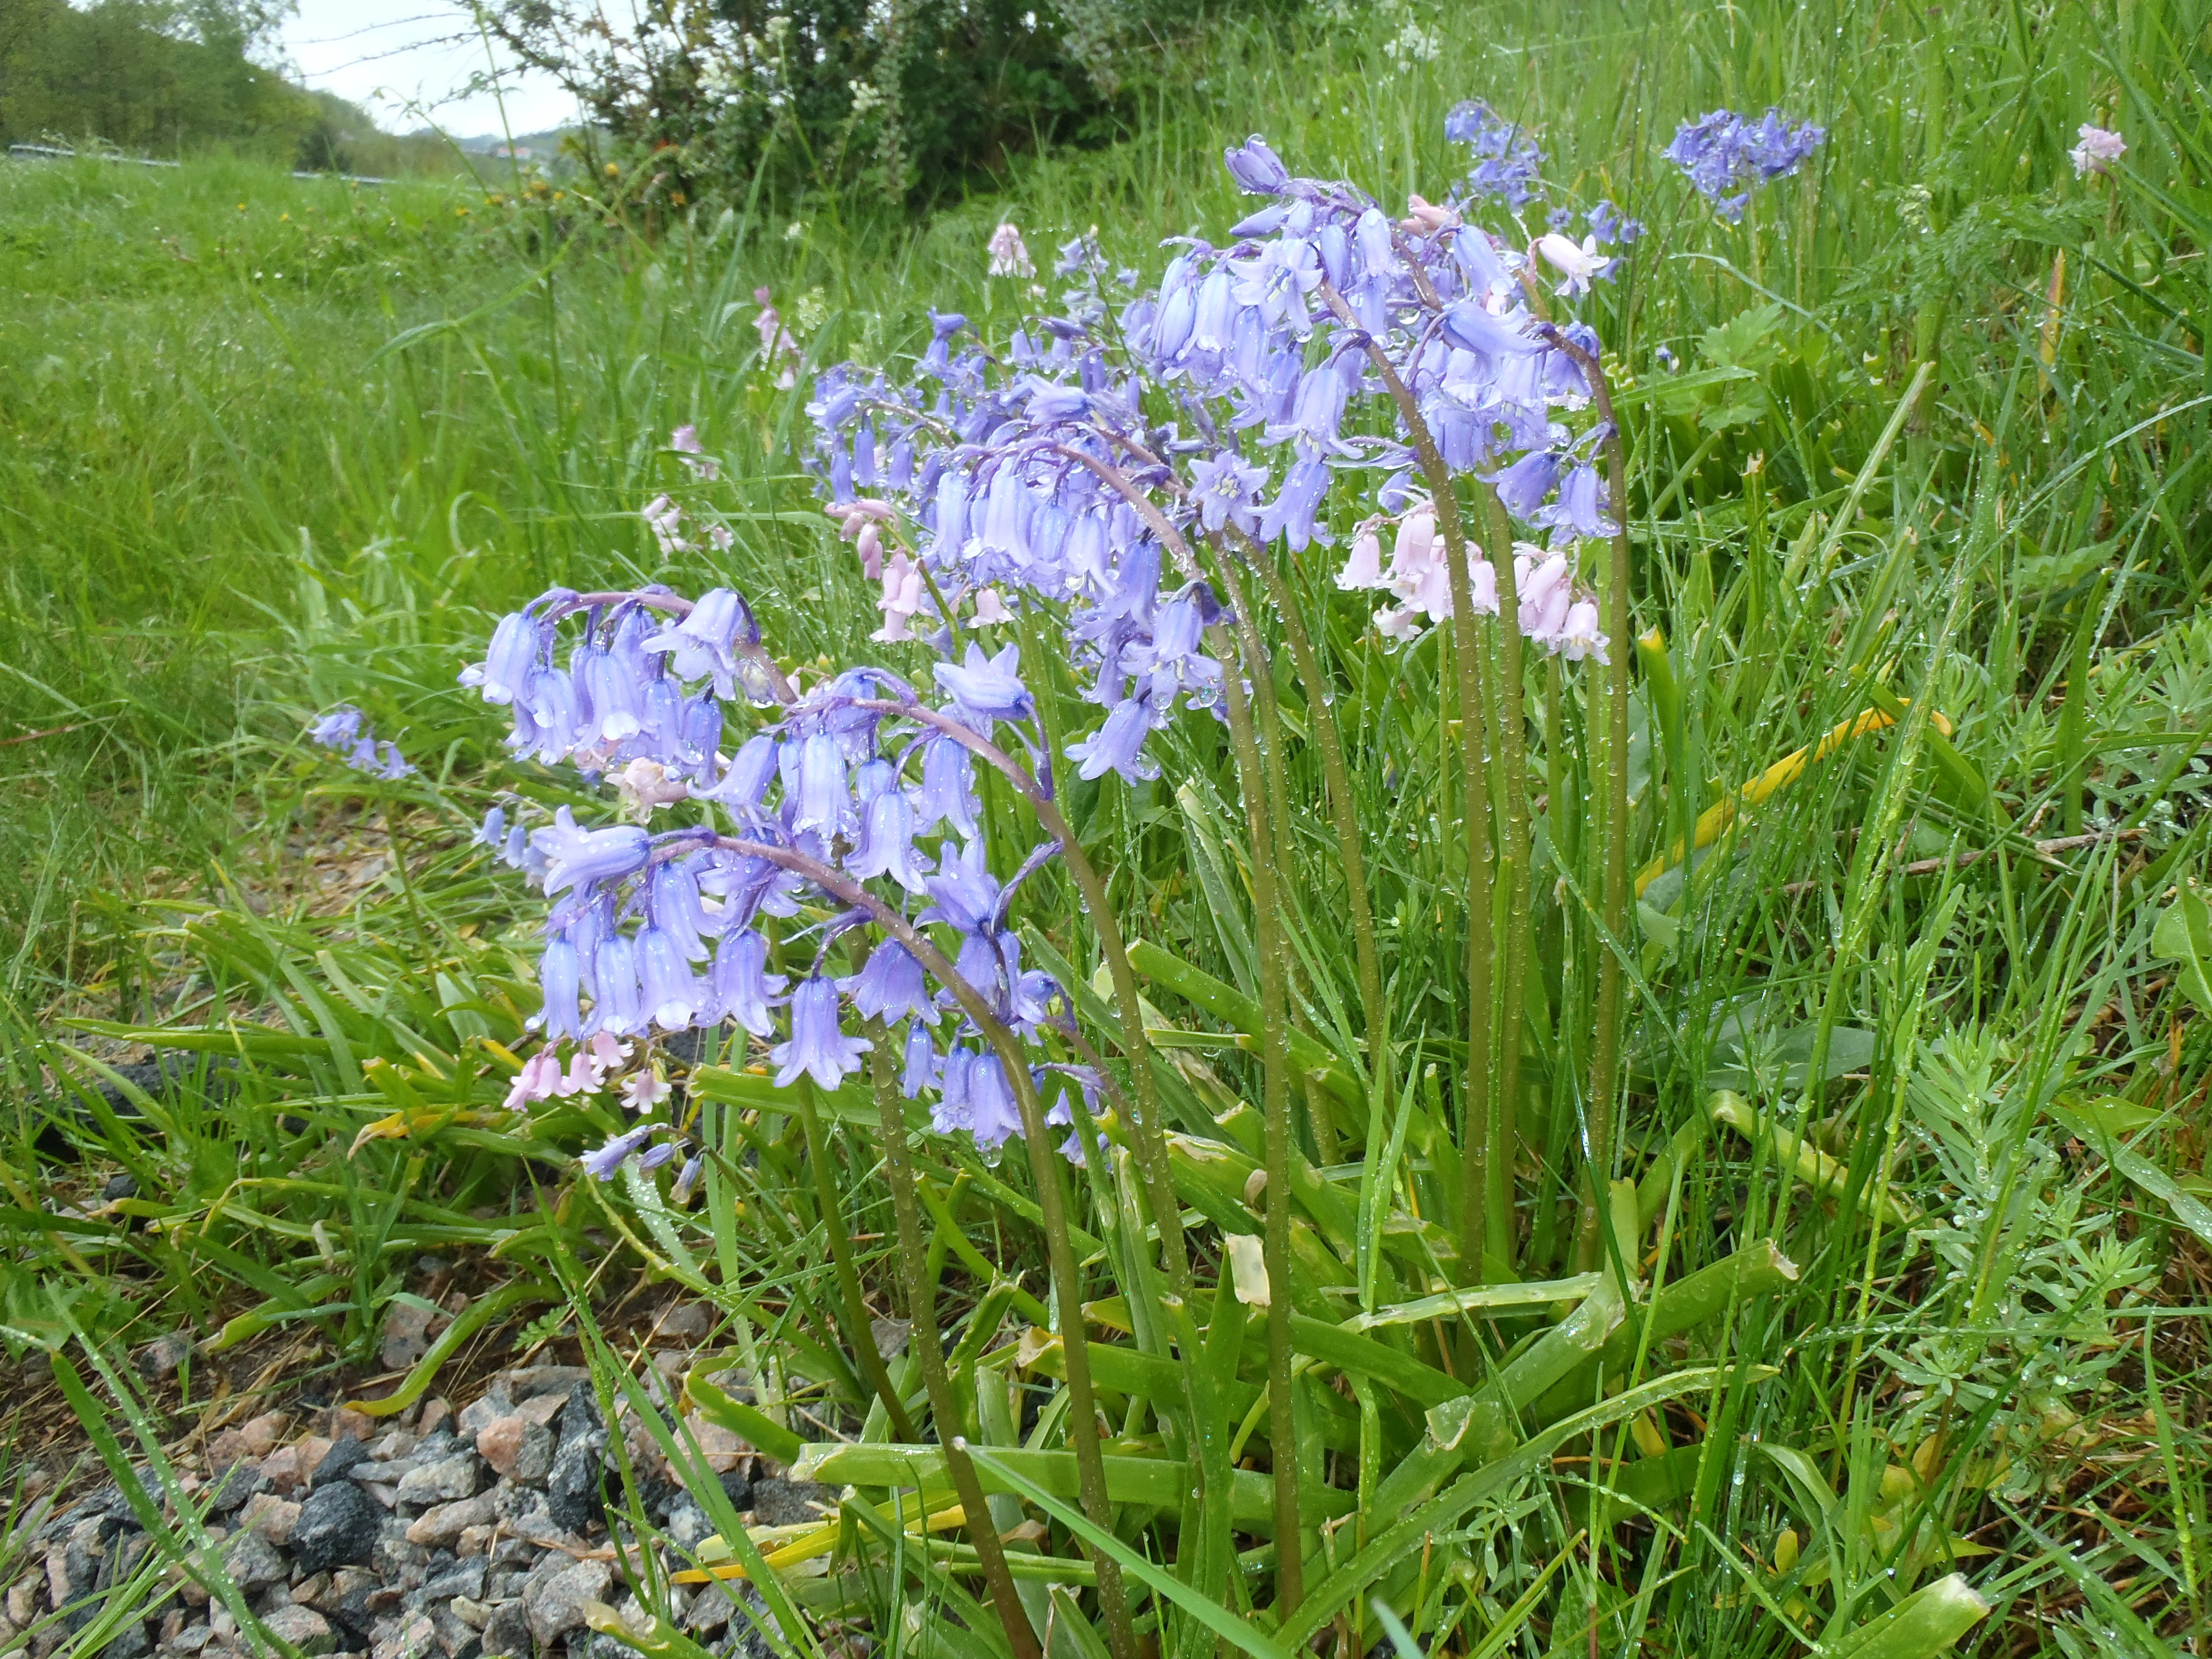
[887,846]
[963,894]
[588,858]
[889,985]
[1292,514]
[602,1164]
[1580,508]
[656,1155]
[1726,156]
[1524,486]
[1117,746]
[505,671]
[739,985]
[1473,327]
[743,785]
[987,690]
[823,802]
[1256,168]
[338,729]
[947,795]
[1608,224]
[670,990]
[921,1071]
[558,975]
[615,1006]
[1506,160]
[818,1047]
[993,1116]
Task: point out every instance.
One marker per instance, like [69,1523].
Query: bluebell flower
[1293,513]
[1473,327]
[889,985]
[739,985]
[1726,156]
[1608,225]
[669,992]
[947,795]
[963,893]
[887,846]
[1580,508]
[656,1155]
[1117,746]
[557,976]
[987,690]
[1524,486]
[943,325]
[1256,168]
[338,729]
[823,802]
[993,1116]
[516,643]
[922,1071]
[742,788]
[818,1047]
[607,1159]
[589,857]
[615,988]
[1506,160]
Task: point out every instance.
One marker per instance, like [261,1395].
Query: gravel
[485,1536]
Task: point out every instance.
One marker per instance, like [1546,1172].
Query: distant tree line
[167,78]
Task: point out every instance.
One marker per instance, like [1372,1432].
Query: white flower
[641,1090]
[644,785]
[1576,263]
[1009,255]
[2097,151]
[990,609]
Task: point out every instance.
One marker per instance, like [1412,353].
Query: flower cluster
[1078,480]
[2096,152]
[1726,156]
[344,731]
[858,779]
[1505,158]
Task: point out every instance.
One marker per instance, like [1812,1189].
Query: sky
[385,54]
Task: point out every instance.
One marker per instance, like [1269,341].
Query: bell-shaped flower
[614,977]
[1579,636]
[1546,590]
[1524,486]
[539,1080]
[963,894]
[1227,491]
[823,803]
[669,992]
[993,1116]
[558,975]
[1364,568]
[589,857]
[889,985]
[887,848]
[505,671]
[1256,168]
[1580,506]
[607,1159]
[921,1071]
[1576,264]
[1292,513]
[987,690]
[1117,746]
[947,795]
[739,985]
[818,1048]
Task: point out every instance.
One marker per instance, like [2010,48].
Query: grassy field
[266,445]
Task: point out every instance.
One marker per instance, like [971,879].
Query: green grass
[228,498]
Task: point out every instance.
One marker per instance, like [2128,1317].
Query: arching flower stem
[928,1349]
[1052,1203]
[1274,1016]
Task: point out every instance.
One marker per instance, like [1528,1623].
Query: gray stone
[303,1628]
[160,1358]
[462,1578]
[507,1632]
[517,1447]
[457,1637]
[791,1502]
[555,1602]
[252,1563]
[131,1641]
[337,1527]
[190,1639]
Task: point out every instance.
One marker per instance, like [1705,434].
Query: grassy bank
[1935,432]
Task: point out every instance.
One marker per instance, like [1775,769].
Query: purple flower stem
[1474,1143]
[1052,1203]
[921,1286]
